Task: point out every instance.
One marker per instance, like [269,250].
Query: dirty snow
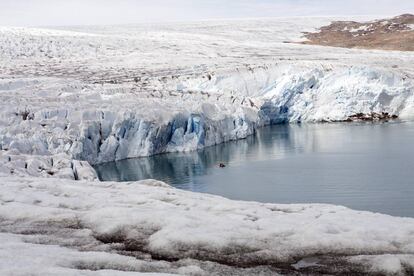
[98,224]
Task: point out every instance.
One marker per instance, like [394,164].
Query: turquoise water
[361,166]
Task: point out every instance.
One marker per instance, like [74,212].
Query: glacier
[101,94]
[72,97]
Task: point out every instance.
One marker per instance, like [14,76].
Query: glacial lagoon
[364,166]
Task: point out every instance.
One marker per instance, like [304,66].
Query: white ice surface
[18,256]
[57,166]
[94,222]
[386,263]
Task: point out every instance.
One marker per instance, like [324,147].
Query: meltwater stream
[361,166]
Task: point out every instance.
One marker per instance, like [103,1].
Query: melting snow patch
[361,28]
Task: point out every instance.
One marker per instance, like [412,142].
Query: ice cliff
[100,123]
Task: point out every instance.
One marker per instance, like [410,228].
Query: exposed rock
[387,34]
[384,116]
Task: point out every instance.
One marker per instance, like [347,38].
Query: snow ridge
[170,230]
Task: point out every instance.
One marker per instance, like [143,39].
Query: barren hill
[387,34]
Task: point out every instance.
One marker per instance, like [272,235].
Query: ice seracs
[103,93]
[336,95]
[57,166]
[97,124]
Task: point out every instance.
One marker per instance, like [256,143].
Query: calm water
[362,166]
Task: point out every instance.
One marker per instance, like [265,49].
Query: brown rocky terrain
[386,34]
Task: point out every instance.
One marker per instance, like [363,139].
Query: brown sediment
[396,33]
[373,116]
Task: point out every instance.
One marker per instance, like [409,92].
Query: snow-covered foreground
[62,226]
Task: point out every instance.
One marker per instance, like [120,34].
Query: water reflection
[179,168]
[365,166]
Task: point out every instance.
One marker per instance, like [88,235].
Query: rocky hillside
[386,34]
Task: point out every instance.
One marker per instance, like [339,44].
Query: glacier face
[338,95]
[88,127]
[108,93]
[100,126]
